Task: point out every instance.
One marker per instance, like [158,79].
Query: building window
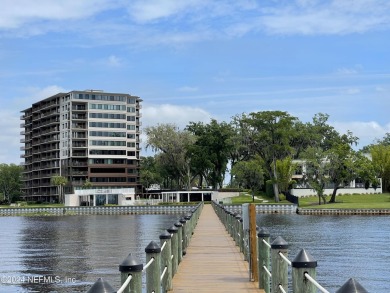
[107,143]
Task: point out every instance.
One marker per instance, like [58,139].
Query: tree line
[259,146]
[262,146]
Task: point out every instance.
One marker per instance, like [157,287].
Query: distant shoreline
[343,211]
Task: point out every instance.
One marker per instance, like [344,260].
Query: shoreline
[337,212]
[100,210]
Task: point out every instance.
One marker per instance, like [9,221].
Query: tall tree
[316,172]
[10,181]
[149,172]
[285,169]
[173,145]
[240,148]
[380,154]
[60,182]
[213,147]
[365,170]
[270,136]
[342,167]
[249,174]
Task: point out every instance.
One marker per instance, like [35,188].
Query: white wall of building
[302,192]
[126,196]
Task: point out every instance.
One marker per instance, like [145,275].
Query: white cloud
[193,11]
[113,61]
[10,138]
[172,114]
[10,120]
[367,132]
[34,94]
[152,10]
[187,89]
[167,113]
[349,71]
[170,22]
[16,13]
[351,91]
[331,17]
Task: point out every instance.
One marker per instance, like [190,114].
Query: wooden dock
[213,262]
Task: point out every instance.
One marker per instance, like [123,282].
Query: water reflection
[76,250]
[344,246]
[69,253]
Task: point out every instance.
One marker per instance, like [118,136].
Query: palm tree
[60,182]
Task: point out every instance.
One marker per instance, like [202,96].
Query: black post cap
[304,260]
[178,224]
[101,286]
[279,243]
[182,221]
[172,229]
[352,286]
[153,247]
[165,235]
[130,264]
[263,233]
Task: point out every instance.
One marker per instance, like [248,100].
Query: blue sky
[199,59]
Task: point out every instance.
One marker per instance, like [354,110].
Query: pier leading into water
[207,243]
[213,262]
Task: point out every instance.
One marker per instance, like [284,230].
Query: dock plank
[213,262]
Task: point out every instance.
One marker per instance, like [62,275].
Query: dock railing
[274,255]
[162,260]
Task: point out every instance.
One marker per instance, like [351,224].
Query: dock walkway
[213,262]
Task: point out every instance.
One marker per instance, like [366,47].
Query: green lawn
[247,198]
[244,199]
[360,201]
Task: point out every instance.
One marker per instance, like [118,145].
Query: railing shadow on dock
[274,255]
[162,259]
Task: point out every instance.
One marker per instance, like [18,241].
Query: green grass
[247,198]
[356,201]
[244,199]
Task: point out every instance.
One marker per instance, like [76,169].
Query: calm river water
[344,247]
[68,254]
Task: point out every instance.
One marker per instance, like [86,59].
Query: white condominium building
[90,137]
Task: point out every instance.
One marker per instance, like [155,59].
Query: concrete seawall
[120,210]
[369,212]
